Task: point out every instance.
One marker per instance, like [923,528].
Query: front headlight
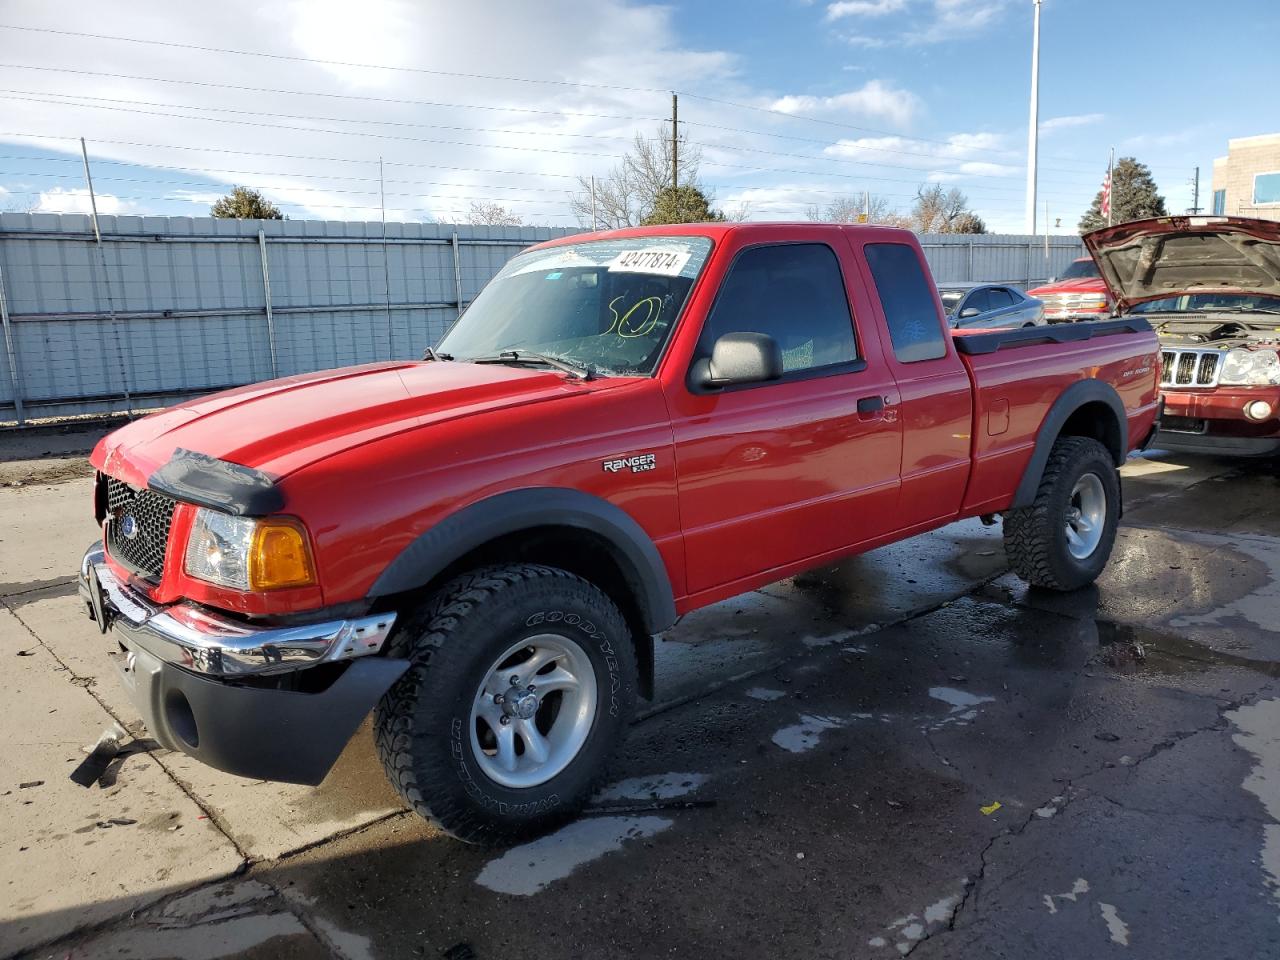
[245,553]
[1092,300]
[1252,368]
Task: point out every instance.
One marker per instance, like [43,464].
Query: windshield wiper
[431,354]
[575,368]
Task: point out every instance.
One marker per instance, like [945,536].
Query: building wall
[1246,157]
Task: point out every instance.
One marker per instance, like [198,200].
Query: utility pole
[106,280]
[866,206]
[1033,134]
[675,142]
[595,224]
[1195,192]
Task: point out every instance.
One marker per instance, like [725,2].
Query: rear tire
[1063,540]
[489,759]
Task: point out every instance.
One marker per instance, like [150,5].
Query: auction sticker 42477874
[668,263]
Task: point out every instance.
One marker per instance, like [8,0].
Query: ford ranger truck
[1211,288]
[480,547]
[1079,294]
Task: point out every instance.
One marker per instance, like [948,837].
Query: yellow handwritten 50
[631,325]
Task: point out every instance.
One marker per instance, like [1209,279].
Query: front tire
[1063,540]
[523,678]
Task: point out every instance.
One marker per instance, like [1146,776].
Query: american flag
[1106,196]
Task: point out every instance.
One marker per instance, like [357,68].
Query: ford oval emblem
[128,526]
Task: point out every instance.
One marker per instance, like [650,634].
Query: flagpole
[1033,128]
[1111,185]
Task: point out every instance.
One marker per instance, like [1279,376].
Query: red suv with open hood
[1211,288]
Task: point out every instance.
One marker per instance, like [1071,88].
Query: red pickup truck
[623,427]
[1079,294]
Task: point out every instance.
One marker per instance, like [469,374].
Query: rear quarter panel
[1015,387]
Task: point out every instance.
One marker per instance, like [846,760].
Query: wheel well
[581,552]
[1097,420]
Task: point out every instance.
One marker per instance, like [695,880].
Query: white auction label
[668,263]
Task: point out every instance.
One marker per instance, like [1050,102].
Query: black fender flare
[1069,401]
[506,513]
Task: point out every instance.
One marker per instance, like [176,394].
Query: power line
[335,96]
[474,76]
[68,97]
[486,146]
[860,177]
[970,151]
[328,63]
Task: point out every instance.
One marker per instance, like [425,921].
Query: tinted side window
[978,300]
[908,302]
[795,294]
[1000,298]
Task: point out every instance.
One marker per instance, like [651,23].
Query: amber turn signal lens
[280,556]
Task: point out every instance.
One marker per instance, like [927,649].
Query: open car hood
[1169,256]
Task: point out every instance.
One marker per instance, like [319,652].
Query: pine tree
[1134,196]
[245,203]
[681,205]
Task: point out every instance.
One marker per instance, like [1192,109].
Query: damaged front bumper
[226,692]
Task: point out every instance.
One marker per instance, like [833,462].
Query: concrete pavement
[907,752]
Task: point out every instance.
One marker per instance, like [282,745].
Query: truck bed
[1017,376]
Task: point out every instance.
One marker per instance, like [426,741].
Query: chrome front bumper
[210,687]
[189,636]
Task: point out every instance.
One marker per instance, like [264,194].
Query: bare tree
[944,211]
[851,208]
[484,213]
[627,195]
[30,205]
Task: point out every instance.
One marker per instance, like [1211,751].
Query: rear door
[936,398]
[775,473]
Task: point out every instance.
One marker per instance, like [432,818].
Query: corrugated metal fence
[190,305]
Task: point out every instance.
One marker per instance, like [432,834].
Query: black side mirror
[739,358]
[968,312]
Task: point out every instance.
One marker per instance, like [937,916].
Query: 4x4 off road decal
[640,463]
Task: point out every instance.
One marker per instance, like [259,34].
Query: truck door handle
[869,405]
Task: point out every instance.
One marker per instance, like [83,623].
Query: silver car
[989,305]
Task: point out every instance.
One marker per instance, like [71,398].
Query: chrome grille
[1189,368]
[137,527]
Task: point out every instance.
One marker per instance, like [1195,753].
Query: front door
[775,473]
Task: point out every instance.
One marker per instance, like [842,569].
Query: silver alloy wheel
[534,711]
[1086,516]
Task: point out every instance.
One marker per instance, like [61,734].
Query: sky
[792,103]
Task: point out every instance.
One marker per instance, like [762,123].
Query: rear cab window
[794,293]
[906,296]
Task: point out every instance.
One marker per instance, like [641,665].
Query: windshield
[607,304]
[1081,270]
[950,298]
[1210,303]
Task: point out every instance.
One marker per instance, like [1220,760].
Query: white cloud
[1064,123]
[873,99]
[957,18]
[863,8]
[76,200]
[439,169]
[957,147]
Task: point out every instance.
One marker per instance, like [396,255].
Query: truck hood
[283,425]
[1078,285]
[1169,256]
